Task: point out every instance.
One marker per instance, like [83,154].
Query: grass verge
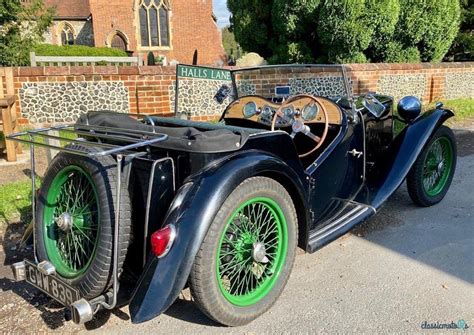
[15,201]
[463,108]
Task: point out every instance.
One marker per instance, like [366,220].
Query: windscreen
[203,93]
[284,81]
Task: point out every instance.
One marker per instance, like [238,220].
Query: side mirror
[409,108]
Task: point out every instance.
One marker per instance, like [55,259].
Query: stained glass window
[67,34]
[154,23]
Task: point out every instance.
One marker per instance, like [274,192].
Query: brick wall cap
[105,69]
[56,70]
[79,70]
[30,71]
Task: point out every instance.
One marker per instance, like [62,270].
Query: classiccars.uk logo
[461,324]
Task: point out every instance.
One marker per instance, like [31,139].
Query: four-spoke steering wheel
[298,125]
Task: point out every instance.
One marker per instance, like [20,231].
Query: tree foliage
[21,28]
[252,25]
[342,31]
[229,43]
[463,46]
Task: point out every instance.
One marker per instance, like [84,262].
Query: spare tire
[75,220]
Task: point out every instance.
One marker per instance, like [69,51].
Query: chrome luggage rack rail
[105,138]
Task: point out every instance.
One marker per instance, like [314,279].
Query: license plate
[51,285]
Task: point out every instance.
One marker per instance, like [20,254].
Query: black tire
[97,277]
[416,188]
[204,284]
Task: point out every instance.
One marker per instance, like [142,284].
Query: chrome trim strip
[335,228]
[336,222]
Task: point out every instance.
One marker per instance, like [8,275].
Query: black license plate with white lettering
[51,285]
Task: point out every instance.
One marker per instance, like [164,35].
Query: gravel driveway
[404,266]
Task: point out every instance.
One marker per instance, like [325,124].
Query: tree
[251,24]
[21,28]
[229,43]
[463,46]
[342,31]
[427,26]
[290,19]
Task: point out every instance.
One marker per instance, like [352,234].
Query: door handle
[355,153]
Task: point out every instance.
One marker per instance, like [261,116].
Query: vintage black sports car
[135,208]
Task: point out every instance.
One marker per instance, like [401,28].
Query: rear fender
[192,211]
[404,151]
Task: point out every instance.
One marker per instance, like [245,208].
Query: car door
[338,174]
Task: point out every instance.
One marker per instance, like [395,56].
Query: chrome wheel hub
[259,253]
[64,222]
[440,166]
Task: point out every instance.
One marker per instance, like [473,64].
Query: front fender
[192,212]
[404,151]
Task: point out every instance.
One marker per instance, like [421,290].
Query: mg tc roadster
[135,208]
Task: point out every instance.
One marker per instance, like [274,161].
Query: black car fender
[192,211]
[404,151]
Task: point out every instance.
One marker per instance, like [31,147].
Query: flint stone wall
[65,102]
[60,94]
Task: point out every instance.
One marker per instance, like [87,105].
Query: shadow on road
[441,236]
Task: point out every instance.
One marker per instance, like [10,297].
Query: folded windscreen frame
[202,93]
[285,81]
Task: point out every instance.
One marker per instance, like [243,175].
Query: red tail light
[162,240]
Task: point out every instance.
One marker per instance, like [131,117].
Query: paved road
[405,266]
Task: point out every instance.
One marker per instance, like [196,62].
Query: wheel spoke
[242,275]
[71,247]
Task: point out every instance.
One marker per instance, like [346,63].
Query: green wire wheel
[247,255]
[75,218]
[71,218]
[252,251]
[431,175]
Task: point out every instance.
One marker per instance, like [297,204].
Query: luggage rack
[106,143]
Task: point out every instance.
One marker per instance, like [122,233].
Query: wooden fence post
[32,58]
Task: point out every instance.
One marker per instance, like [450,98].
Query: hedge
[77,50]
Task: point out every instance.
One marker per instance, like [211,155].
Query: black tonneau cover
[209,138]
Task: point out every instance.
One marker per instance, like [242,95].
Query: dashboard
[261,110]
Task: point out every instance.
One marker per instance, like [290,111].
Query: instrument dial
[250,109]
[267,111]
[310,111]
[289,112]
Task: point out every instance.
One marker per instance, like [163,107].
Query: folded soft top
[183,135]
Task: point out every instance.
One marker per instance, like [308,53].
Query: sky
[222,13]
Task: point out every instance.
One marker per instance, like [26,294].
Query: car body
[184,179]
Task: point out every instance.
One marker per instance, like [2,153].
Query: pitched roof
[70,8]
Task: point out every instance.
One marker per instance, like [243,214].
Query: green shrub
[16,42]
[291,21]
[429,26]
[251,24]
[77,50]
[463,46]
[336,31]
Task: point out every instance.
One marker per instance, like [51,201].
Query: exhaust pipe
[81,311]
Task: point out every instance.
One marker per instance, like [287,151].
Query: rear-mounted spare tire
[75,220]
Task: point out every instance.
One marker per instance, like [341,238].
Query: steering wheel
[297,122]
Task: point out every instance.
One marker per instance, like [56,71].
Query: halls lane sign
[203,73]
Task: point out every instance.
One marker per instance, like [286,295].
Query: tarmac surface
[404,266]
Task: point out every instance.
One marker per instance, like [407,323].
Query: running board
[339,224]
